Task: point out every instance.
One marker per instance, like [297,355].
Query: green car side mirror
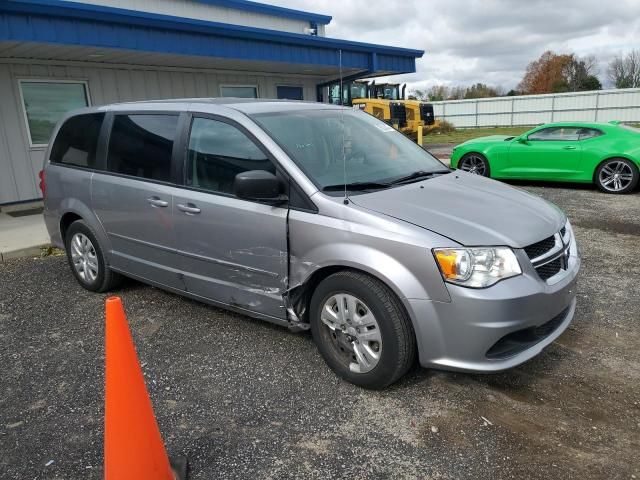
[522,140]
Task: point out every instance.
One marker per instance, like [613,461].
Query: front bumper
[468,333]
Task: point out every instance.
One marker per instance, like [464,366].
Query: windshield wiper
[419,175]
[356,186]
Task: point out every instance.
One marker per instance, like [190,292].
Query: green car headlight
[477,267]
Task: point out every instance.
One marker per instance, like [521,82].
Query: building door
[289,93]
[233,251]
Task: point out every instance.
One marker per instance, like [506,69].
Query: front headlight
[476,267]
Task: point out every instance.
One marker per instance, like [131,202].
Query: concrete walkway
[22,236]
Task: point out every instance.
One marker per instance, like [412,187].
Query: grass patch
[51,252]
[463,134]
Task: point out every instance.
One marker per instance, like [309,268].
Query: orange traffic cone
[133,447]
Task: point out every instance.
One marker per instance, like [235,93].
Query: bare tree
[624,71]
[581,74]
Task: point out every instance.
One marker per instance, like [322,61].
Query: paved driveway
[248,400]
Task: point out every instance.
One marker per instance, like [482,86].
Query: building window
[286,92]
[46,102]
[239,91]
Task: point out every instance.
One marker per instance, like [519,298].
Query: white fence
[597,105]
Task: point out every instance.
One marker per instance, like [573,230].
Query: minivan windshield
[375,154]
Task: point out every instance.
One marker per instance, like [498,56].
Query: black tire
[630,168]
[106,279]
[483,168]
[398,338]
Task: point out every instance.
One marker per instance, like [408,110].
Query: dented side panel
[346,235]
[234,251]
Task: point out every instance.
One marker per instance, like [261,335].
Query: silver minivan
[315,217]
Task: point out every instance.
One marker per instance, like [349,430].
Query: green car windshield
[333,145]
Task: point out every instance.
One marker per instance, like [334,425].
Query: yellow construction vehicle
[385,101]
[419,113]
[391,111]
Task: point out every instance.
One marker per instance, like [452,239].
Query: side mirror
[258,185]
[522,140]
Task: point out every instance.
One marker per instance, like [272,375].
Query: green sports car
[607,154]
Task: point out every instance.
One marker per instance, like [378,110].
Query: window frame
[105,135]
[232,85]
[553,140]
[281,172]
[20,81]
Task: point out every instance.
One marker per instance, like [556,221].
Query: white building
[56,55]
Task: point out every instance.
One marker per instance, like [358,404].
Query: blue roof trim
[272,10]
[62,9]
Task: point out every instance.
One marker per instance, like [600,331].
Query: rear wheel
[362,330]
[617,175]
[474,163]
[86,259]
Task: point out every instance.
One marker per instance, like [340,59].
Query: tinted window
[141,145]
[77,140]
[218,152]
[556,133]
[589,133]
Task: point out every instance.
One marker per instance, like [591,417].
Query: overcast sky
[488,41]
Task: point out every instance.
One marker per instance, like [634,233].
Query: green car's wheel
[474,163]
[616,175]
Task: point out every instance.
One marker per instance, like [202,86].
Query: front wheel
[474,163]
[362,330]
[617,175]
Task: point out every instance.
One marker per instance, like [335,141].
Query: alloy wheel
[473,164]
[353,330]
[83,256]
[615,176]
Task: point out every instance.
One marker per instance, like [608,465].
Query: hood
[469,209]
[490,139]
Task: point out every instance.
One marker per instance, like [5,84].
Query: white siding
[211,13]
[20,163]
[599,105]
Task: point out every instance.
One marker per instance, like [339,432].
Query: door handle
[189,208]
[569,147]
[156,202]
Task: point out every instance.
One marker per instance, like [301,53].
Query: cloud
[488,41]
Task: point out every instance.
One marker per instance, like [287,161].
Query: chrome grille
[540,248]
[548,270]
[551,255]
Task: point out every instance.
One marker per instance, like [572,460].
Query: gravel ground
[246,399]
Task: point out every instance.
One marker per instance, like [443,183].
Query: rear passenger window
[218,152]
[141,145]
[77,141]
[589,133]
